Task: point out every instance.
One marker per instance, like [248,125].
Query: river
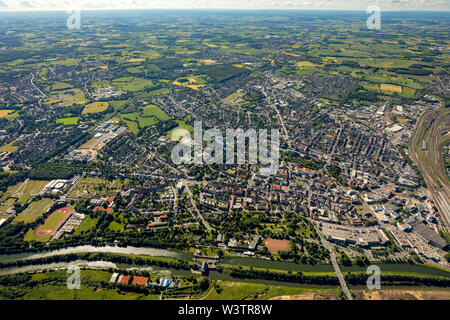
[107,249]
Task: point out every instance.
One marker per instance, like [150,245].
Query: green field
[34,211]
[146,116]
[67,97]
[60,86]
[72,121]
[31,236]
[24,189]
[53,220]
[115,226]
[86,225]
[118,104]
[97,187]
[181,125]
[132,84]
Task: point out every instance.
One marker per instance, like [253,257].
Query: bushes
[284,277]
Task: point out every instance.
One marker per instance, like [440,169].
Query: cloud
[440,5]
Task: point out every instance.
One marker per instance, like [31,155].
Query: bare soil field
[402,294]
[275,246]
[309,296]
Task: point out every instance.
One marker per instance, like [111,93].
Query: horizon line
[4,10]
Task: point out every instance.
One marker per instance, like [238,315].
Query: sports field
[275,246]
[34,211]
[24,189]
[53,222]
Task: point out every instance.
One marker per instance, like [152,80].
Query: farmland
[95,107]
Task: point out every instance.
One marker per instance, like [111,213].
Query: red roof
[125,280]
[306,170]
[157,224]
[139,281]
[109,210]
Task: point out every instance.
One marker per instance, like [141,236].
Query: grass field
[34,211]
[66,97]
[32,236]
[97,187]
[72,121]
[61,86]
[27,188]
[115,226]
[86,225]
[181,125]
[95,107]
[132,84]
[53,221]
[118,104]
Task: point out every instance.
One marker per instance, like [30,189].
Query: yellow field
[135,60]
[9,147]
[95,107]
[5,113]
[207,61]
[390,87]
[303,64]
[191,84]
[330,59]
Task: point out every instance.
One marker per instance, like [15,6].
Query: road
[175,200]
[32,83]
[335,264]
[269,100]
[191,196]
[333,147]
[337,270]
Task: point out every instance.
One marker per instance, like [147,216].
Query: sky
[388,5]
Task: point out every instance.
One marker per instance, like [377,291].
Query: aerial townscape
[90,118]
